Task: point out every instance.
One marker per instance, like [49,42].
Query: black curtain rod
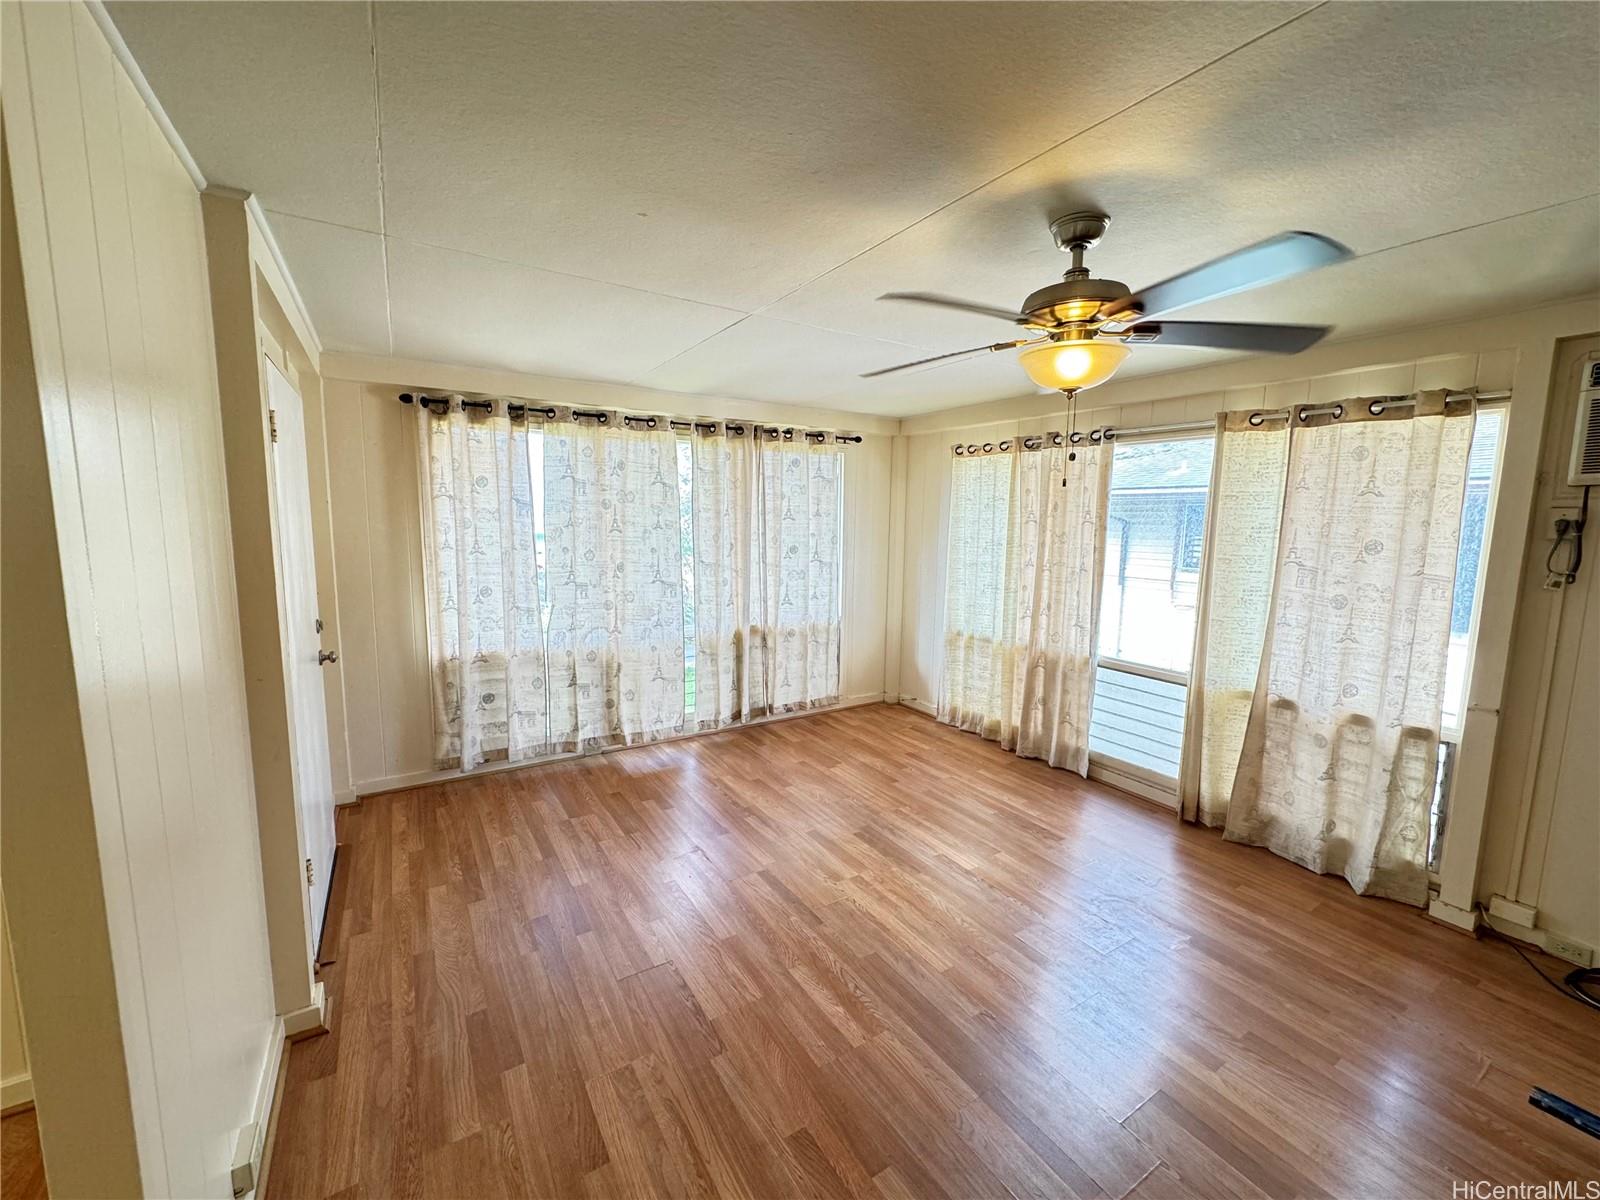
[516,410]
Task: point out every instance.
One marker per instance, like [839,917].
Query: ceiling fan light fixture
[1073,365]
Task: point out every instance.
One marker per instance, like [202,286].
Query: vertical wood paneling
[352,553]
[866,491]
[50,361]
[1544,774]
[417,716]
[404,618]
[110,229]
[392,522]
[158,795]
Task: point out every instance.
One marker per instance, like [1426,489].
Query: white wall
[1543,844]
[1518,351]
[16,1088]
[112,254]
[372,468]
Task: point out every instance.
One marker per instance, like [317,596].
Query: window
[1155,537]
[686,563]
[1155,526]
[1483,468]
[1477,512]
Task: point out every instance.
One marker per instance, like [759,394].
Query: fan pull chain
[1072,428]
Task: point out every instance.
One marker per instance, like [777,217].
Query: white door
[303,634]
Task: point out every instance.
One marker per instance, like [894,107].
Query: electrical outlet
[1567,948]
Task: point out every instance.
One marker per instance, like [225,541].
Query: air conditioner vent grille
[1589,450]
[1584,470]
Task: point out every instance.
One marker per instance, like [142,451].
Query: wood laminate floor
[21,1165]
[863,954]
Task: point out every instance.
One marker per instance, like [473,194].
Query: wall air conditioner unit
[1585,468]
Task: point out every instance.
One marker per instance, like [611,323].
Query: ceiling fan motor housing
[1078,298]
[1072,300]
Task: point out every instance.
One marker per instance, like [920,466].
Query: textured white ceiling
[708,197]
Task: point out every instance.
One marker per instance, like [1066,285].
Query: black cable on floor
[1581,983]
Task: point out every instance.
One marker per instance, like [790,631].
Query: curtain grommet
[1256,420]
[1377,408]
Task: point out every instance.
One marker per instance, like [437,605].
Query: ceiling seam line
[383,216]
[743,317]
[1527,212]
[508,262]
[1090,128]
[511,262]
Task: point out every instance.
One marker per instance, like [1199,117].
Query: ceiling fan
[1081,328]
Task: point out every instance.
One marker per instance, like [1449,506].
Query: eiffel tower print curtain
[1342,741]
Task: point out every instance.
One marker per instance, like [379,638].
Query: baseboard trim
[1525,915]
[264,1167]
[16,1094]
[1464,919]
[1559,945]
[400,783]
[251,1140]
[921,706]
[310,1020]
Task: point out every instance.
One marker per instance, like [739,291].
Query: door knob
[327,656]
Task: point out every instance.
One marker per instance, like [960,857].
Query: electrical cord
[1581,983]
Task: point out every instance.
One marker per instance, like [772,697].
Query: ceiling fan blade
[1219,335]
[940,358]
[983,310]
[1265,262]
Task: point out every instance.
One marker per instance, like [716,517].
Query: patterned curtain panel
[793,661]
[1342,743]
[481,577]
[1062,542]
[615,579]
[1247,476]
[1027,549]
[725,573]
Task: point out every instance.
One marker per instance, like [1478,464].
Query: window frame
[1450,735]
